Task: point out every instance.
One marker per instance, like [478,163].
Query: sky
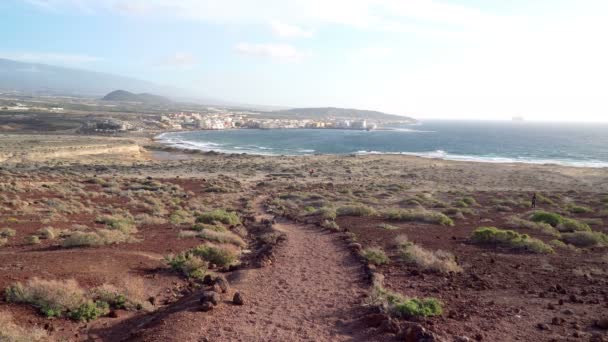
[456,59]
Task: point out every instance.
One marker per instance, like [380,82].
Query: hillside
[125,96]
[48,79]
[341,113]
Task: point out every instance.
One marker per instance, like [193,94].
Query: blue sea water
[576,144]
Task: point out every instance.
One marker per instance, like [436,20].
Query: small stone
[206,306]
[557,321]
[602,323]
[560,302]
[207,280]
[113,314]
[237,299]
[216,288]
[223,283]
[210,297]
[551,306]
[568,312]
[542,326]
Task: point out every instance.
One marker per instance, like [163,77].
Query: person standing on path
[534,200]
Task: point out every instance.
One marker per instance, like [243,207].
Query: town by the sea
[573,144]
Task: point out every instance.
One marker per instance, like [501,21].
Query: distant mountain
[341,113]
[125,96]
[48,79]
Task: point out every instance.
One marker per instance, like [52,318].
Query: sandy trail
[312,292]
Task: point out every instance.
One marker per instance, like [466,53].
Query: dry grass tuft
[11,332]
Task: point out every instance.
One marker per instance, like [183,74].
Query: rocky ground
[311,275]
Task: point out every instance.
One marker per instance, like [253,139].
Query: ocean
[573,144]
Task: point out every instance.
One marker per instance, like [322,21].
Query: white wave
[440,154]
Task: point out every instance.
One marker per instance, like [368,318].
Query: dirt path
[311,292]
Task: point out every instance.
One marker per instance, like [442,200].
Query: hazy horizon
[464,59]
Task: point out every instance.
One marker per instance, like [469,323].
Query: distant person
[311,172]
[534,200]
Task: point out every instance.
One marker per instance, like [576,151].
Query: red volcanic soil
[501,295]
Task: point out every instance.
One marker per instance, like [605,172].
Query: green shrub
[509,239]
[516,222]
[469,200]
[356,210]
[199,227]
[98,238]
[32,240]
[89,311]
[7,232]
[187,264]
[419,216]
[397,305]
[547,217]
[222,237]
[125,224]
[579,209]
[220,256]
[327,213]
[52,297]
[585,238]
[560,244]
[219,216]
[460,204]
[48,233]
[387,226]
[570,225]
[181,217]
[375,256]
[416,307]
[545,200]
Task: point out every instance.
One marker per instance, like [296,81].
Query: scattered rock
[223,283]
[602,323]
[551,306]
[568,312]
[210,297]
[208,279]
[355,246]
[152,300]
[417,333]
[216,288]
[113,314]
[557,321]
[542,326]
[206,306]
[238,299]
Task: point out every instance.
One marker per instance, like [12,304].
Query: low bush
[375,256]
[181,217]
[124,223]
[516,222]
[3,241]
[387,226]
[509,239]
[561,245]
[579,209]
[547,217]
[218,255]
[356,210]
[331,225]
[52,297]
[90,310]
[569,225]
[219,216]
[202,226]
[437,261]
[11,332]
[327,213]
[97,238]
[48,233]
[418,216]
[187,264]
[222,237]
[585,238]
[7,232]
[397,305]
[32,240]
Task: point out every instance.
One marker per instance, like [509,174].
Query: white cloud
[376,52]
[283,30]
[51,58]
[281,52]
[180,59]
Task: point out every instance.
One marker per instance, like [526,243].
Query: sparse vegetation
[222,237]
[400,306]
[571,225]
[375,256]
[516,222]
[437,261]
[418,216]
[52,297]
[219,216]
[387,226]
[509,239]
[218,255]
[11,332]
[187,264]
[547,217]
[96,238]
[579,209]
[7,232]
[356,210]
[585,238]
[331,225]
[32,240]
